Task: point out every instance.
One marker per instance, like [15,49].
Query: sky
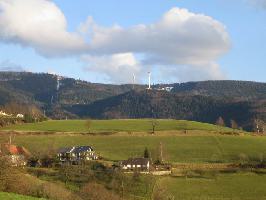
[110,41]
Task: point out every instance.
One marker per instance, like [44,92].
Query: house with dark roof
[16,155]
[136,164]
[76,154]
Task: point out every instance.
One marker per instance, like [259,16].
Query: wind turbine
[149,76]
[134,80]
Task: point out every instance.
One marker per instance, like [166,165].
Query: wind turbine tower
[149,73]
[134,80]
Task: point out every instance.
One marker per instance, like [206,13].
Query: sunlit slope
[11,196]
[137,125]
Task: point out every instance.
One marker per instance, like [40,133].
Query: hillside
[11,196]
[111,126]
[204,101]
[158,104]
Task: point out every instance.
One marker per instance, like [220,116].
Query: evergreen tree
[146,153]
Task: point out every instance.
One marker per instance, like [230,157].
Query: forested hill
[242,90]
[162,104]
[200,101]
[42,88]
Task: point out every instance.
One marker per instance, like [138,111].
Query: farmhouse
[2,113]
[16,155]
[20,116]
[135,164]
[77,154]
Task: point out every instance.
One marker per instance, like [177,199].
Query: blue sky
[240,49]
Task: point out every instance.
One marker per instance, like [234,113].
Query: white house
[135,164]
[76,154]
[2,113]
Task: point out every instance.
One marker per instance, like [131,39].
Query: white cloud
[180,38]
[118,68]
[39,24]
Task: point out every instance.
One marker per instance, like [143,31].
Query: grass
[11,196]
[178,148]
[239,186]
[182,149]
[137,125]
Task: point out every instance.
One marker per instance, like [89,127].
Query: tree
[88,124]
[66,173]
[28,118]
[233,123]
[7,173]
[161,152]
[259,126]
[220,122]
[146,153]
[154,123]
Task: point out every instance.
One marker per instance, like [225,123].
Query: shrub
[93,191]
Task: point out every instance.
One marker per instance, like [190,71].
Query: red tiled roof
[14,150]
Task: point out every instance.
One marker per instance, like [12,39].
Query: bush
[94,190]
[6,174]
[243,159]
[28,118]
[33,162]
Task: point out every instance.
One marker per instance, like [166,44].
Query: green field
[185,149]
[193,147]
[11,196]
[114,126]
[239,186]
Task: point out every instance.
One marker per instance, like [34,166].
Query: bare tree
[220,121]
[154,124]
[88,124]
[259,126]
[161,152]
[233,123]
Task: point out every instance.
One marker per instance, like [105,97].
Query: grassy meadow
[11,196]
[127,125]
[239,186]
[204,145]
[184,149]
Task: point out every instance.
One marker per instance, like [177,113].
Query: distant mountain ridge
[204,101]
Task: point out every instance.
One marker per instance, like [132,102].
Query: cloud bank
[39,24]
[179,38]
[180,42]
